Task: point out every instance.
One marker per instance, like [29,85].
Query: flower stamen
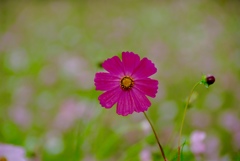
[127,83]
[3,158]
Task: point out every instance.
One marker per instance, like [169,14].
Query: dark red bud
[210,79]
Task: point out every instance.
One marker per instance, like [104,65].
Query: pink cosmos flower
[197,142]
[126,83]
[12,153]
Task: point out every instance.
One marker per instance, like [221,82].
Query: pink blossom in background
[200,119]
[236,138]
[145,155]
[76,68]
[196,142]
[126,83]
[212,148]
[70,111]
[230,121]
[68,114]
[12,153]
[21,116]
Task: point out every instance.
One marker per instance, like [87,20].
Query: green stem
[160,146]
[184,114]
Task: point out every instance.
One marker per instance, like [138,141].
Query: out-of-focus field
[51,50]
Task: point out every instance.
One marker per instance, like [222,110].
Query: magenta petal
[106,81]
[130,62]
[148,86]
[114,66]
[125,104]
[145,69]
[109,98]
[129,99]
[140,100]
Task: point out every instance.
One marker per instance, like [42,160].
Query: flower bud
[210,79]
[207,80]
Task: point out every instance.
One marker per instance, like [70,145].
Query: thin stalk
[160,146]
[184,114]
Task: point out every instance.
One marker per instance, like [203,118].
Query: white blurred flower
[146,127]
[54,143]
[197,145]
[12,153]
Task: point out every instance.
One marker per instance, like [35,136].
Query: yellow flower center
[3,158]
[127,83]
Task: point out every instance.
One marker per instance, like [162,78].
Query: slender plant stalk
[184,114]
[160,146]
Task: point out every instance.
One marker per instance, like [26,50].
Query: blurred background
[51,50]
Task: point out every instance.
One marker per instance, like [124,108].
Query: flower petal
[109,98]
[125,104]
[106,81]
[145,69]
[114,66]
[141,102]
[130,62]
[148,86]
